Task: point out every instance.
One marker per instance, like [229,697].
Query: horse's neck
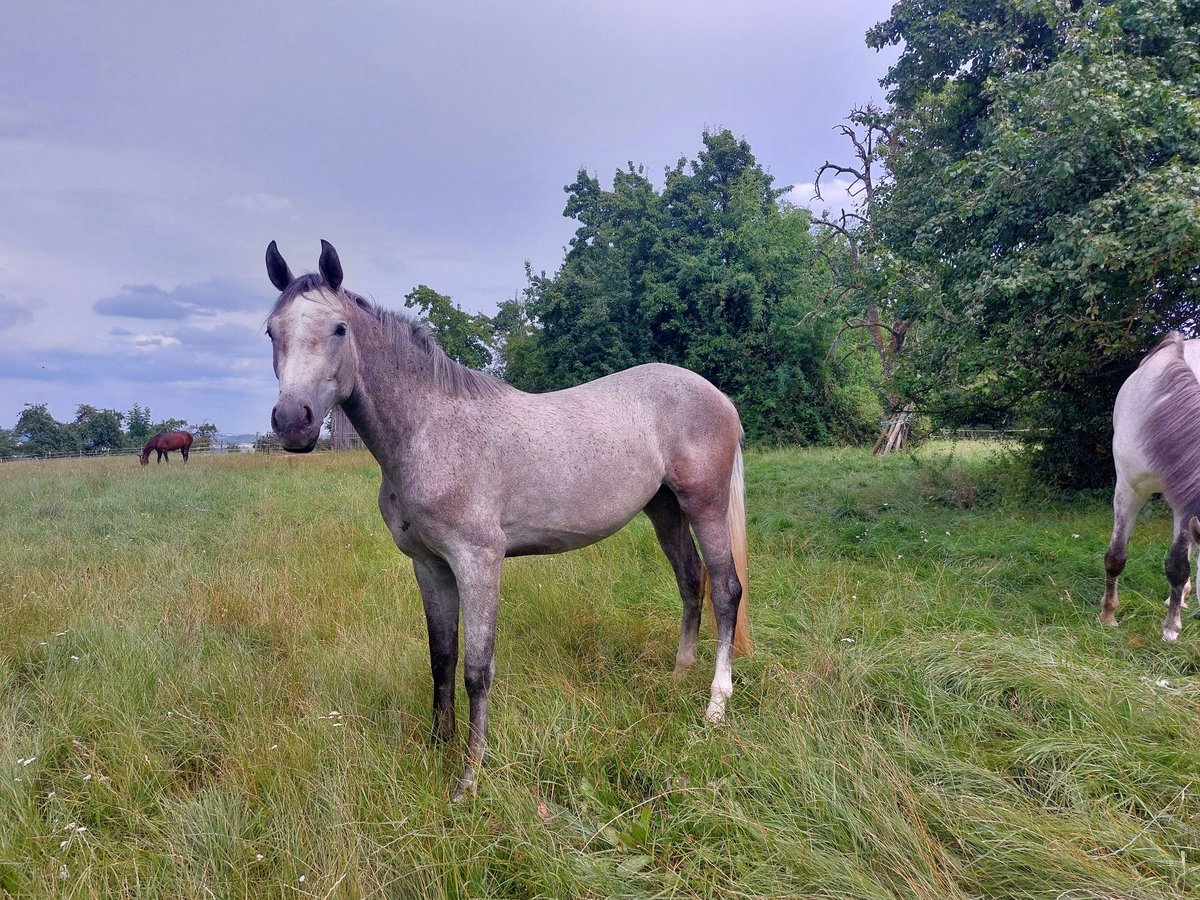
[393,398]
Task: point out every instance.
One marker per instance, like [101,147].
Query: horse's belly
[539,541]
[556,521]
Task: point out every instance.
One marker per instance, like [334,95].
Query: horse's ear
[277,269]
[330,265]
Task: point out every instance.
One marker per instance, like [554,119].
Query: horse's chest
[401,522]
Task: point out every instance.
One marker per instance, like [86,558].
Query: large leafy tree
[1048,169]
[463,336]
[38,433]
[138,424]
[98,430]
[710,273]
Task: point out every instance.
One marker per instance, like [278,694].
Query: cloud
[153,341]
[13,312]
[191,354]
[142,301]
[203,298]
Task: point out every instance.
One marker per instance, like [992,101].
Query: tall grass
[215,683]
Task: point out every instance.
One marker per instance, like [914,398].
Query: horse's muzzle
[296,425]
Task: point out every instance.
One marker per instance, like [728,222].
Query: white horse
[1156,449]
[475,471]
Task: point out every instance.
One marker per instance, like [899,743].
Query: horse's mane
[402,330]
[1172,437]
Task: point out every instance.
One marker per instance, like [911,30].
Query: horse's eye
[271,336]
[340,330]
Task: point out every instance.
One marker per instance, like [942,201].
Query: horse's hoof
[715,714]
[466,785]
[1170,635]
[1107,618]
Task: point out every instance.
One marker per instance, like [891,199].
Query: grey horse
[474,471]
[1156,448]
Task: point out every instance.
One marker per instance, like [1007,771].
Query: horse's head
[313,343]
[146,457]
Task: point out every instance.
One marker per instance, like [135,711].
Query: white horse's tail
[743,645]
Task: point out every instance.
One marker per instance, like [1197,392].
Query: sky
[149,152]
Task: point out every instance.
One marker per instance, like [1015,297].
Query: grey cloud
[204,298]
[13,313]
[227,340]
[142,301]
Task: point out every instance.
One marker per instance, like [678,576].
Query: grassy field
[215,683]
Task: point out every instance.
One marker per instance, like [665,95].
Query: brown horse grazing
[475,470]
[166,441]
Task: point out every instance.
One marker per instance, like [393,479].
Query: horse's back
[1164,387]
[657,410]
[572,466]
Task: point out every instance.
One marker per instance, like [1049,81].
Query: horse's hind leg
[675,536]
[1126,504]
[1177,566]
[712,531]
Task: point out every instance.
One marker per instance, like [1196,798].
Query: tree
[712,274]
[203,435]
[98,430]
[8,444]
[39,434]
[463,336]
[138,425]
[168,425]
[515,338]
[876,293]
[1048,171]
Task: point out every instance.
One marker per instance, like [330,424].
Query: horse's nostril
[308,415]
[274,420]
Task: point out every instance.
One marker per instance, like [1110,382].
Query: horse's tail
[735,516]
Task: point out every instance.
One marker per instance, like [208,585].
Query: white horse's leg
[1177,568]
[1126,504]
[439,596]
[713,535]
[478,577]
[675,536]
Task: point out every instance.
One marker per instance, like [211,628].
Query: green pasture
[215,684]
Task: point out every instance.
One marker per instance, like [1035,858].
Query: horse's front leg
[478,577]
[439,595]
